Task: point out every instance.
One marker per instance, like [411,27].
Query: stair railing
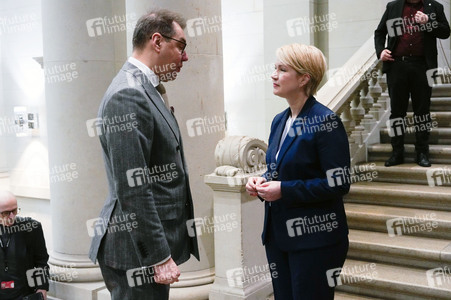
[357,92]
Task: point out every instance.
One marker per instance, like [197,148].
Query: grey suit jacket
[143,220]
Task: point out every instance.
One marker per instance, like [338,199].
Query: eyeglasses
[181,42]
[8,213]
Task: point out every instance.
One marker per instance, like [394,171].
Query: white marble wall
[260,26]
[22,84]
[245,72]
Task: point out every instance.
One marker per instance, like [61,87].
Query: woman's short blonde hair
[304,59]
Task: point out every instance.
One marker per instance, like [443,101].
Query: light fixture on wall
[27,123]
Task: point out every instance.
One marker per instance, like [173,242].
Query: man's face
[172,55]
[8,209]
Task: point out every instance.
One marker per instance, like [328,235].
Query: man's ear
[155,42]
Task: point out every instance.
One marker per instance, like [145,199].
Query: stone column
[242,271]
[84,59]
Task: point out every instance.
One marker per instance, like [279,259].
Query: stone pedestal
[242,271]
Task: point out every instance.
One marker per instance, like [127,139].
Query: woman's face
[286,81]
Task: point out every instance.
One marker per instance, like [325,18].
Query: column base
[73,268]
[192,286]
[257,291]
[199,292]
[77,290]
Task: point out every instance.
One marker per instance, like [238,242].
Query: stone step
[401,195]
[412,173]
[342,296]
[419,252]
[392,282]
[396,221]
[438,136]
[442,90]
[440,154]
[442,118]
[441,103]
[346,296]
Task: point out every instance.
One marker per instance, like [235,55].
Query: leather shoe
[395,159]
[423,160]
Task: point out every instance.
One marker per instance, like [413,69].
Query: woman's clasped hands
[267,190]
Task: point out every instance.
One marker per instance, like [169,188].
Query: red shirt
[410,43]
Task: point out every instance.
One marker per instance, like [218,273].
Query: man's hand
[252,183]
[43,292]
[269,191]
[386,55]
[421,18]
[167,272]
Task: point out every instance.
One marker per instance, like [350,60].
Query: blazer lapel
[427,7]
[153,95]
[296,129]
[274,145]
[399,8]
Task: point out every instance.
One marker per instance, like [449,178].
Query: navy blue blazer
[310,213]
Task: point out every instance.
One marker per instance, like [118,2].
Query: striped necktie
[162,90]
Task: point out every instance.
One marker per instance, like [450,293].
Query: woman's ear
[304,79]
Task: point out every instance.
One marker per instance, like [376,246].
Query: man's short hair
[160,21]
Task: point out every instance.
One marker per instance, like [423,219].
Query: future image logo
[206,125]
[94,127]
[109,25]
[200,26]
[411,225]
[395,27]
[354,274]
[140,276]
[438,176]
[303,25]
[438,76]
[210,225]
[439,276]
[36,277]
[346,175]
[310,225]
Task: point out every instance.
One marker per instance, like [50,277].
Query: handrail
[340,86]
[358,93]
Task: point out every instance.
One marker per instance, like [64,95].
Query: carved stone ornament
[240,155]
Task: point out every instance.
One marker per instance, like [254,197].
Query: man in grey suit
[141,235]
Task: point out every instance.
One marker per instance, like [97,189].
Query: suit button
[177,148]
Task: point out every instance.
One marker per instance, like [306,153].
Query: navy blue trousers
[302,274]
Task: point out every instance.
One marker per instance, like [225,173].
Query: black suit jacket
[437,27]
[26,251]
[316,144]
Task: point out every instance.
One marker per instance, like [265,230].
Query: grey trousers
[117,283]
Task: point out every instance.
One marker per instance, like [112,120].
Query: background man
[412,27]
[22,249]
[134,160]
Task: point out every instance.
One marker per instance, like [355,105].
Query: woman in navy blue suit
[305,231]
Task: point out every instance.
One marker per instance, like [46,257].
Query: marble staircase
[400,222]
